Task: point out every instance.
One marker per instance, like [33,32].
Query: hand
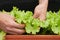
[40,12]
[8,24]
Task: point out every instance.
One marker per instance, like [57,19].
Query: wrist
[43,1]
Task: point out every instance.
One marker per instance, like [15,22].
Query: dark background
[7,5]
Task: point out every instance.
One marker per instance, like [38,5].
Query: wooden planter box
[32,37]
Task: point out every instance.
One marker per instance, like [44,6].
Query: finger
[16,25]
[7,31]
[18,31]
[42,17]
[36,14]
[12,33]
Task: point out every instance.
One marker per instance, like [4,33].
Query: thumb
[36,14]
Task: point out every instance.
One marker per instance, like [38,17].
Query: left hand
[8,24]
[40,12]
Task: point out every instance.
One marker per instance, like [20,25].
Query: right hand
[8,24]
[41,9]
